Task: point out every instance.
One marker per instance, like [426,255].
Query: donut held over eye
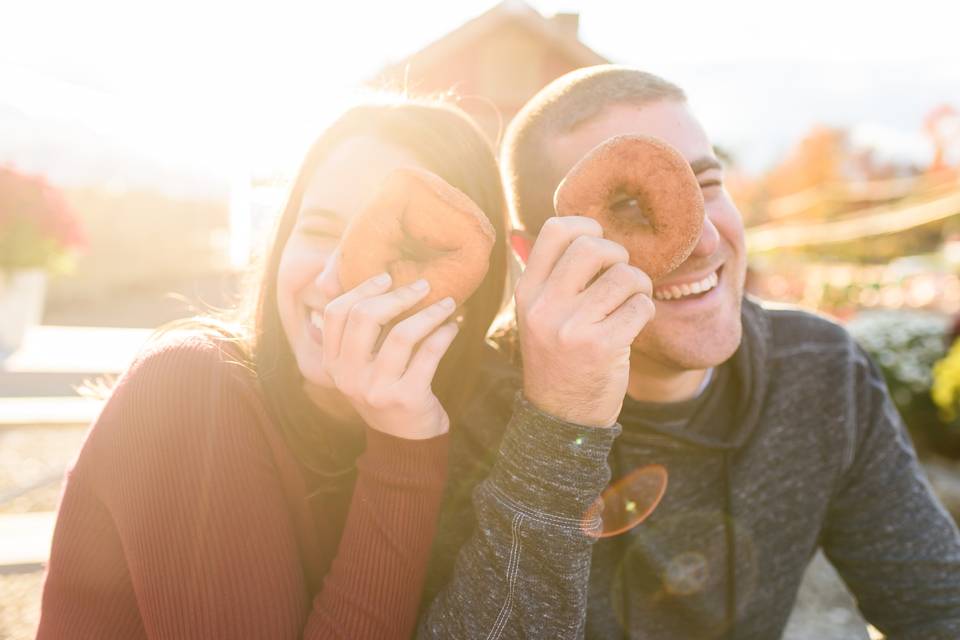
[419,226]
[644,194]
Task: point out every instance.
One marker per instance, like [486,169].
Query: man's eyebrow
[704,164]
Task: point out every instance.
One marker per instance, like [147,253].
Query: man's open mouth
[688,290]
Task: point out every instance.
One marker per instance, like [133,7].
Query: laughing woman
[237,483]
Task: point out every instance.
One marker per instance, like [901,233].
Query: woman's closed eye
[320,224]
[320,230]
[320,233]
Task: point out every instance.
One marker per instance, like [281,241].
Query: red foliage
[34,212]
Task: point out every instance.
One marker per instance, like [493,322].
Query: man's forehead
[668,120]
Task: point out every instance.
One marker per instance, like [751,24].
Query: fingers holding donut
[398,347]
[337,312]
[554,239]
[367,319]
[583,261]
[389,383]
[612,289]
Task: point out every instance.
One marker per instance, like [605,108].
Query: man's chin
[688,353]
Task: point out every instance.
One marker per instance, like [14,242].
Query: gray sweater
[803,450]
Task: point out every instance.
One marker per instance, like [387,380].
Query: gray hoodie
[799,447]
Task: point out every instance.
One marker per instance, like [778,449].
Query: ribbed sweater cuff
[404,461]
[551,466]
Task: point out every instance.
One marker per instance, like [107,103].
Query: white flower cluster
[905,344]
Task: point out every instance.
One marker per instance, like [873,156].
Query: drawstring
[731,548]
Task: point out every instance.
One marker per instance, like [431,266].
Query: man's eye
[711,188]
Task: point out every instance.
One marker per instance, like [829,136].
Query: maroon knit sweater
[186,516]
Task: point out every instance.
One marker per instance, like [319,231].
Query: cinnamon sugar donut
[645,195]
[419,226]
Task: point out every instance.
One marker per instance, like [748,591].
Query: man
[776,430]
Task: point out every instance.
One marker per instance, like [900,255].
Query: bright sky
[230,84]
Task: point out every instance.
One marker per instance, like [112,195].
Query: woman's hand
[389,387]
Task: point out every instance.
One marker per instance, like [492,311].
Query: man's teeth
[679,291]
[316,319]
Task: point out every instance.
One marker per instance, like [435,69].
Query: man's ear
[521,242]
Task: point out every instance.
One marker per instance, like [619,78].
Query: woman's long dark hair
[448,143]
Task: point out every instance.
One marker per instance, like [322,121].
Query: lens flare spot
[626,503]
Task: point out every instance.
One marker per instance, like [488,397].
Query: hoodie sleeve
[893,543]
[525,570]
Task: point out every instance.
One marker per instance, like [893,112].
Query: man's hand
[580,305]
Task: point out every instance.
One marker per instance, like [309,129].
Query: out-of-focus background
[145,148]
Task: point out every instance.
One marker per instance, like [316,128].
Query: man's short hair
[529,175]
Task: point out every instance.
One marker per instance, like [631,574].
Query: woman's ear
[521,242]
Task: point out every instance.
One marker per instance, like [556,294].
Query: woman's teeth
[679,291]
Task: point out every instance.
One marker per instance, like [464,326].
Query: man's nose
[709,239]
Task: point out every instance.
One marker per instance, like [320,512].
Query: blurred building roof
[496,61]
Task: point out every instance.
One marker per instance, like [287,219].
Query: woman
[280,477]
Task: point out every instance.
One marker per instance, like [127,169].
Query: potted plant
[39,235]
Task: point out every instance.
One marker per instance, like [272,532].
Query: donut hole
[630,210]
[413,249]
[414,258]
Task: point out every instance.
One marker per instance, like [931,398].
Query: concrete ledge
[73,411]
[25,541]
[56,360]
[91,350]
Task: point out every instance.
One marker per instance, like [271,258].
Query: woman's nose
[709,239]
[328,282]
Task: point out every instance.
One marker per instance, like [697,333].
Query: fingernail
[420,285]
[382,279]
[447,303]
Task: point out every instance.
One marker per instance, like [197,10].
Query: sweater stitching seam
[513,566]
